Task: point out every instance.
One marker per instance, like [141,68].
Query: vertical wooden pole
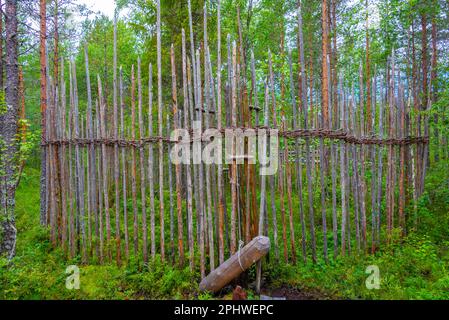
[343,168]
[263,179]
[333,118]
[79,172]
[289,196]
[116,153]
[281,196]
[362,163]
[200,206]
[105,170]
[71,183]
[221,196]
[91,149]
[53,170]
[100,182]
[402,160]
[124,171]
[151,162]
[234,163]
[188,168]
[133,164]
[160,124]
[373,164]
[306,126]
[323,191]
[355,169]
[170,188]
[62,158]
[207,108]
[177,166]
[143,193]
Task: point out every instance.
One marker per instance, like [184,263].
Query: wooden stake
[188,168]
[79,173]
[124,171]
[160,124]
[177,166]
[308,156]
[105,167]
[133,164]
[116,154]
[143,193]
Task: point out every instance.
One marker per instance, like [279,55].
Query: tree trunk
[325,66]
[43,73]
[1,50]
[368,76]
[433,83]
[425,95]
[8,121]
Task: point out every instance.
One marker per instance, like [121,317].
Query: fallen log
[235,265]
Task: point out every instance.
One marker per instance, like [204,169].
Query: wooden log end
[235,265]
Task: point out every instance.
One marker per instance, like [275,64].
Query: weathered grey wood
[105,167]
[362,163]
[263,191]
[143,193]
[220,182]
[71,183]
[176,122]
[355,175]
[236,264]
[288,172]
[133,164]
[207,108]
[62,158]
[234,163]
[333,117]
[343,175]
[347,166]
[188,167]
[192,51]
[79,174]
[160,125]
[99,169]
[281,196]
[200,205]
[212,114]
[124,171]
[52,173]
[172,205]
[373,166]
[91,149]
[323,193]
[306,126]
[116,152]
[150,162]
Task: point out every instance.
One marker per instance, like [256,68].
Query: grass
[413,268]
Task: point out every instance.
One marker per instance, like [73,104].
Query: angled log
[236,265]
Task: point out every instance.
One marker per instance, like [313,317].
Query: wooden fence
[345,184]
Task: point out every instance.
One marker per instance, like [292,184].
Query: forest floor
[416,267]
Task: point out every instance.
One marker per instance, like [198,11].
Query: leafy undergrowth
[414,268]
[39,272]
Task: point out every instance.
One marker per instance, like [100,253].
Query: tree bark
[325,66]
[8,122]
[1,50]
[43,80]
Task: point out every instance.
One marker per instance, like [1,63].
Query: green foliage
[38,270]
[3,107]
